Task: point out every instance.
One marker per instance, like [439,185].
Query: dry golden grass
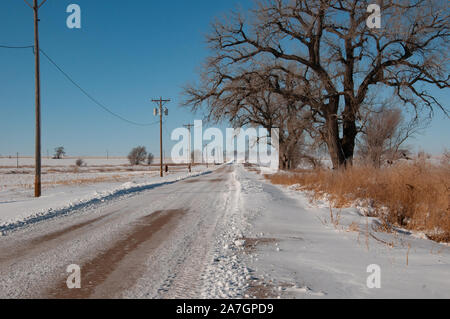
[91,180]
[415,196]
[83,181]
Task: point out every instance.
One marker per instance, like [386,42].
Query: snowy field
[65,185]
[20,178]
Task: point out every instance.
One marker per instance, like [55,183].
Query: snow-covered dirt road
[228,233]
[157,243]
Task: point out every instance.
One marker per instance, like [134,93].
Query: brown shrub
[415,196]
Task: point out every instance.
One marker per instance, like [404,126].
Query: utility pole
[17,159]
[206,145]
[160,102]
[189,126]
[37,178]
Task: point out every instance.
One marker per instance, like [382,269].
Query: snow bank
[19,213]
[226,276]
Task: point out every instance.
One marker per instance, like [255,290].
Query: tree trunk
[284,161]
[349,130]
[341,150]
[349,136]
[282,165]
[333,141]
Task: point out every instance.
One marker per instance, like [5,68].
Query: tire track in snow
[188,275]
[32,244]
[146,232]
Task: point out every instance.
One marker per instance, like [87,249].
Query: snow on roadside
[307,250]
[227,276]
[18,213]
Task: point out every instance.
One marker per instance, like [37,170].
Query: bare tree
[333,50]
[381,127]
[256,97]
[137,155]
[385,132]
[79,162]
[59,152]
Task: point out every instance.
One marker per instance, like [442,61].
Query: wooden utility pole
[206,145]
[189,126]
[160,102]
[37,178]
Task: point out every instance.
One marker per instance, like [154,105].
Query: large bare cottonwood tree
[333,50]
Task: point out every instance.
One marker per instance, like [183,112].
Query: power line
[92,98]
[16,47]
[80,88]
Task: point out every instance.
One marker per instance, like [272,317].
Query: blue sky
[126,53]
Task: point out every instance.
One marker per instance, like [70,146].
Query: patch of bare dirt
[35,242]
[149,231]
[192,181]
[261,290]
[65,231]
[216,180]
[251,243]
